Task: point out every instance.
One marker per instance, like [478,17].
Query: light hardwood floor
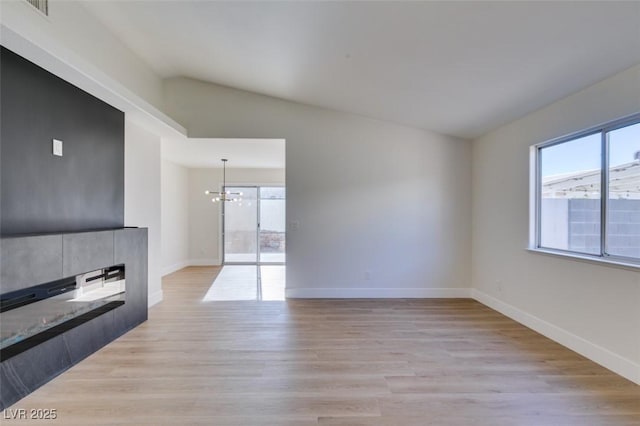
[332,362]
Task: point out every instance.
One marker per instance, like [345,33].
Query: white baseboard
[191,262]
[154,298]
[204,262]
[622,366]
[376,293]
[175,267]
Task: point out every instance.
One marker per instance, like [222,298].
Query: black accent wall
[40,192]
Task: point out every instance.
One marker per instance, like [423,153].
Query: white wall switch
[57,147]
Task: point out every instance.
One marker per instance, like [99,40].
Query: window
[587,192]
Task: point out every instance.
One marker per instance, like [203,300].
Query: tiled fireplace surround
[31,260]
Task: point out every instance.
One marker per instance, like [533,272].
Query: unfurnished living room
[292,213]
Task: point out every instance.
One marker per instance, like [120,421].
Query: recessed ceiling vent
[41,5]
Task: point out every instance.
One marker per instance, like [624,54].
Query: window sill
[614,263]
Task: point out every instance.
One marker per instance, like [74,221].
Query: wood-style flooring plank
[405,362]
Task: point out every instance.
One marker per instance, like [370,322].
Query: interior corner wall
[175,217]
[72,33]
[204,216]
[591,308]
[142,196]
[374,209]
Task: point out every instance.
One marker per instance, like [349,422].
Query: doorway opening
[253,245]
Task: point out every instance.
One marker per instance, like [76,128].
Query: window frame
[536,192]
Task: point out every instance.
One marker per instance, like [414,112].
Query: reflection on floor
[251,257]
[248,282]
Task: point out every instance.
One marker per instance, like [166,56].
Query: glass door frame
[258,219]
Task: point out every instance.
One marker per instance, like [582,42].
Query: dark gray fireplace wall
[40,192]
[32,260]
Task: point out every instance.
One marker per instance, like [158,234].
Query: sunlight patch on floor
[273,282]
[251,257]
[246,282]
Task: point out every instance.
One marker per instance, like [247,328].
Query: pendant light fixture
[224,195]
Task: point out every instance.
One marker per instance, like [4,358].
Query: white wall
[593,309]
[142,196]
[204,216]
[175,217]
[362,195]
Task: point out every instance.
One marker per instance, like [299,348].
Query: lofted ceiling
[458,68]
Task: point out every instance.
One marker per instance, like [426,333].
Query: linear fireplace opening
[36,314]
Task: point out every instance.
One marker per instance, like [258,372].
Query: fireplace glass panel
[43,309]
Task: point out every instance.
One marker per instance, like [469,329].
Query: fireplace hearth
[54,313]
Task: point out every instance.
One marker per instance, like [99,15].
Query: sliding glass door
[254,228]
[272,224]
[240,227]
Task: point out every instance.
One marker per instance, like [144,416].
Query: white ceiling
[459,68]
[241,153]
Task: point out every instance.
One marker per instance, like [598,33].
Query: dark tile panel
[29,370]
[29,261]
[131,250]
[87,251]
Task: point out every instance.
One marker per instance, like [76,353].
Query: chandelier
[224,195]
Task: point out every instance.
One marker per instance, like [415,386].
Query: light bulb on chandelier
[224,195]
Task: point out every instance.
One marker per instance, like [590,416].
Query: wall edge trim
[154,298]
[596,353]
[376,293]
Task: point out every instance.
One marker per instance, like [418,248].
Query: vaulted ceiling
[458,68]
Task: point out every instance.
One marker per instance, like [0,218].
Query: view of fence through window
[272,224]
[571,194]
[255,226]
[570,207]
[623,219]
